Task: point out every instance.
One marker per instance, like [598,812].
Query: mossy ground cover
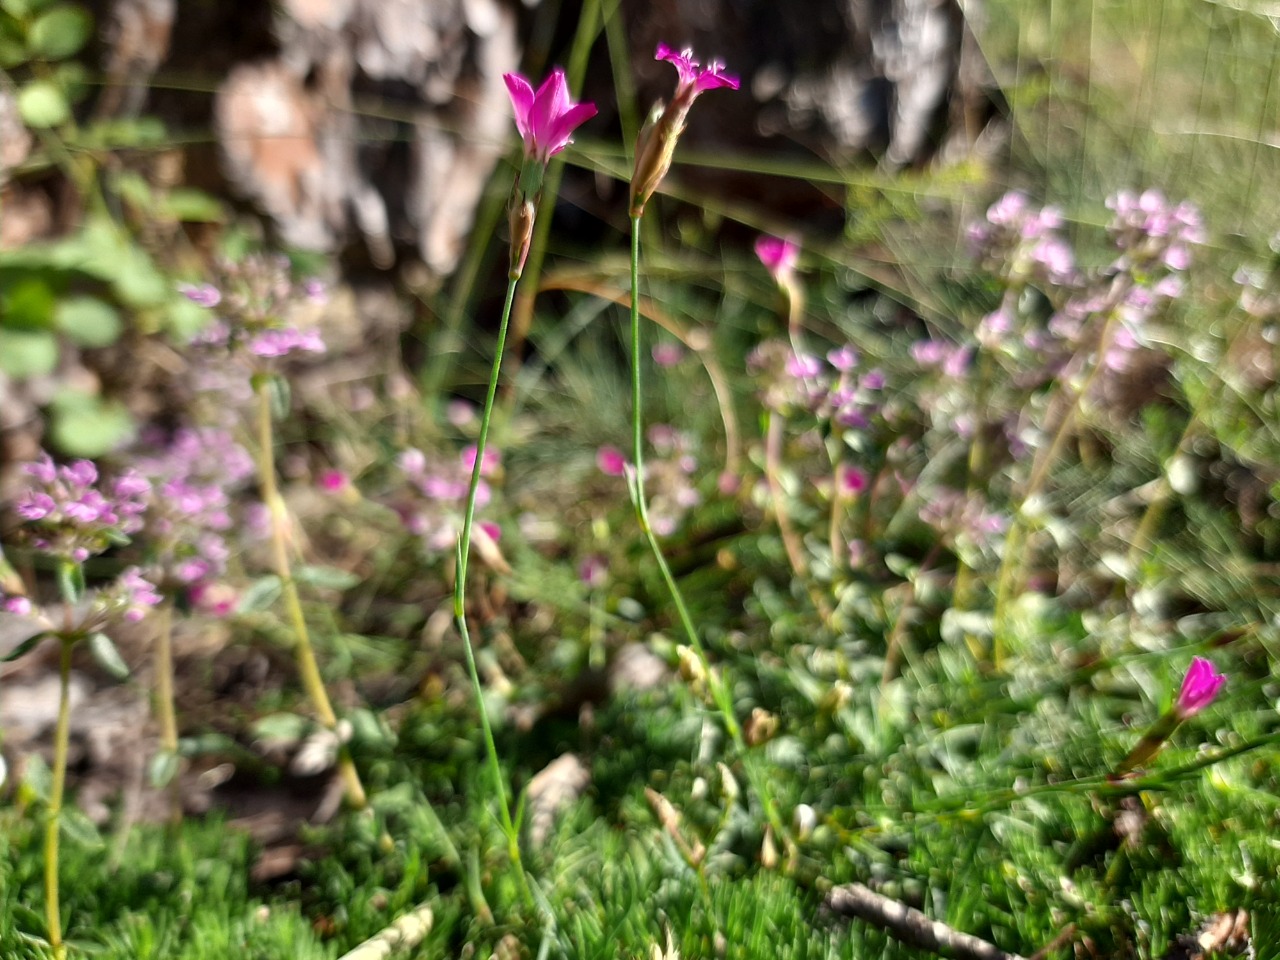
[961,777]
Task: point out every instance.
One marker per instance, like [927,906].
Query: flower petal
[551,100]
[562,129]
[521,92]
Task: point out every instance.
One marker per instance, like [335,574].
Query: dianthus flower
[657,143]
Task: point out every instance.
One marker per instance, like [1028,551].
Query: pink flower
[611,461]
[17,605]
[1199,687]
[853,481]
[693,76]
[667,354]
[333,481]
[778,254]
[547,118]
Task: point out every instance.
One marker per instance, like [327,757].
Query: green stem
[61,737]
[460,596]
[165,712]
[308,669]
[719,693]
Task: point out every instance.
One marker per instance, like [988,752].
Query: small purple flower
[843,358]
[202,294]
[492,461]
[17,605]
[594,571]
[459,413]
[282,341]
[803,366]
[315,290]
[1199,687]
[547,118]
[667,354]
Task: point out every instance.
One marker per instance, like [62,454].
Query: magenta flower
[1199,687]
[611,461]
[333,481]
[694,76]
[546,118]
[657,143]
[779,256]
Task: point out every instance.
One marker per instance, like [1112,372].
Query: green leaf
[28,304]
[185,319]
[26,646]
[278,389]
[137,281]
[163,768]
[107,656]
[60,32]
[325,578]
[87,426]
[77,827]
[43,105]
[37,779]
[22,9]
[88,321]
[189,205]
[282,726]
[264,592]
[70,582]
[27,353]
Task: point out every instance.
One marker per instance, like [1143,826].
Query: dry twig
[910,925]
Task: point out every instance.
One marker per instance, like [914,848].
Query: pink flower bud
[1199,687]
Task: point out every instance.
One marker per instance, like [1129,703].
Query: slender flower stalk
[52,829]
[653,158]
[509,828]
[546,119]
[308,669]
[164,707]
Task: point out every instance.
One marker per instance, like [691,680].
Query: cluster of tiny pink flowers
[73,515]
[1154,238]
[437,496]
[129,597]
[193,479]
[1152,231]
[254,302]
[951,359]
[668,477]
[959,515]
[830,388]
[1022,242]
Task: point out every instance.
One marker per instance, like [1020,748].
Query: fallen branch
[408,931]
[910,925]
